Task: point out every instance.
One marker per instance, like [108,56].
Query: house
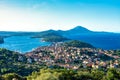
[20,58]
[29,60]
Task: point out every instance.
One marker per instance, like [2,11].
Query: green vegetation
[64,74]
[73,60]
[79,44]
[50,36]
[15,66]
[54,39]
[116,52]
[12,67]
[12,76]
[10,62]
[46,34]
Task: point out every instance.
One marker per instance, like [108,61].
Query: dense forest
[64,74]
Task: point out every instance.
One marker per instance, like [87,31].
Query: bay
[22,43]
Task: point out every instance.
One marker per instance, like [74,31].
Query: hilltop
[76,43]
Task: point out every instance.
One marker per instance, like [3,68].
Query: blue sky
[39,15]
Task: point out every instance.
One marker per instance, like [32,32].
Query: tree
[98,75]
[11,76]
[1,78]
[84,76]
[113,74]
[46,76]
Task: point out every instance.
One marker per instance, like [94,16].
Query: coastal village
[72,57]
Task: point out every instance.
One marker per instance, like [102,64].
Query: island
[78,44]
[50,36]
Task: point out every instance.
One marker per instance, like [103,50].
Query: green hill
[79,44]
[13,62]
[50,36]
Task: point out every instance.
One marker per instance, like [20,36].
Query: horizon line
[55,30]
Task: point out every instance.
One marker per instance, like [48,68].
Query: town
[72,57]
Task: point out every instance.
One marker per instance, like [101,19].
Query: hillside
[57,61]
[79,44]
[77,30]
[14,62]
[50,36]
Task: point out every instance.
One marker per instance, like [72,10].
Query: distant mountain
[82,31]
[50,36]
[60,35]
[98,39]
[79,29]
[75,31]
[46,34]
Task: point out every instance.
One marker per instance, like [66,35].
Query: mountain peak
[79,29]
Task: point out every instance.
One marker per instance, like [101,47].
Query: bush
[12,76]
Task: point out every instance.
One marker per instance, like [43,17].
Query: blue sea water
[25,43]
[104,41]
[22,43]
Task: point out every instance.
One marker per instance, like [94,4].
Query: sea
[25,44]
[22,44]
[102,41]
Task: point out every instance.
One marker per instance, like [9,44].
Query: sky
[40,15]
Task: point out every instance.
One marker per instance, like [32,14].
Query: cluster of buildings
[72,57]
